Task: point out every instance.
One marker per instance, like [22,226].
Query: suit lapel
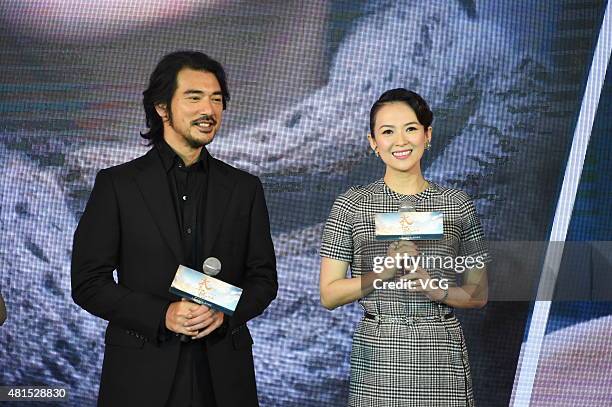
[153,185]
[220,186]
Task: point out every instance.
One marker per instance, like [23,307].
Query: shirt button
[184,197]
[188,231]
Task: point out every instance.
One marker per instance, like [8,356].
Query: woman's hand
[404,249]
[420,278]
[421,283]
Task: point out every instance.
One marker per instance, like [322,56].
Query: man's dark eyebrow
[199,92]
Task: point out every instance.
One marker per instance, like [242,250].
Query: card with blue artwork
[409,226]
[203,289]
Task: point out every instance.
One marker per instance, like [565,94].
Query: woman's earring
[427,145]
[376,152]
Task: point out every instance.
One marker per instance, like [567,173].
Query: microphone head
[211,266]
[407,207]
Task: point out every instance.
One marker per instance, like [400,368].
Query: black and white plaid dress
[409,350]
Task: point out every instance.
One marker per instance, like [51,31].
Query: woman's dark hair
[162,85]
[414,100]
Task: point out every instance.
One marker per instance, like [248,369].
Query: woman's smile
[402,154]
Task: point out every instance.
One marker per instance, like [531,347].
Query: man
[2,310]
[175,205]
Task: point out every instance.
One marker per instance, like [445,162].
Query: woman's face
[398,137]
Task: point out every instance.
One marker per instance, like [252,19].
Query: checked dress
[407,350]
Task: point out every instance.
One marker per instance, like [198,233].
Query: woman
[409,348]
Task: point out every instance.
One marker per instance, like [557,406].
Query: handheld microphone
[406,206]
[210,267]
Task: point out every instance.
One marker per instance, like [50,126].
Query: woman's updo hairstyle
[414,100]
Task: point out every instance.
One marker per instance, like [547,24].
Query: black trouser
[192,385]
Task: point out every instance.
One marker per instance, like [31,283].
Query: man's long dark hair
[162,85]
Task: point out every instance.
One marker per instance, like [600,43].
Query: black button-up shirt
[188,188]
[188,185]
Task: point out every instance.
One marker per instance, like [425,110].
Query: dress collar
[431,190]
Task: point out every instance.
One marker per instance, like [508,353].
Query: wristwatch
[444,296]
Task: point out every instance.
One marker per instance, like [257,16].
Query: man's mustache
[205,118]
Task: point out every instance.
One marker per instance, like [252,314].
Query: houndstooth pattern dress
[413,352]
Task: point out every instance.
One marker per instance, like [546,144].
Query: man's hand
[185,317]
[180,313]
[208,325]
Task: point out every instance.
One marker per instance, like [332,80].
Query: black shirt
[188,187]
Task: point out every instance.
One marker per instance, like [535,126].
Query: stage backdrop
[505,80]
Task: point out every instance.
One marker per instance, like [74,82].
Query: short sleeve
[337,239]
[473,243]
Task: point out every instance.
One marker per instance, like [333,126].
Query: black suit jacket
[129,225]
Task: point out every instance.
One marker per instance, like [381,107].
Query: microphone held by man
[212,294]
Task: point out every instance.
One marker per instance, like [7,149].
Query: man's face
[196,109]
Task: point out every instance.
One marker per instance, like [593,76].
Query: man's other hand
[197,321]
